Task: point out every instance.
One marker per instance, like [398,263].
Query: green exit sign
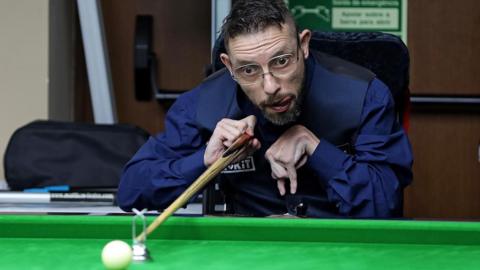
[352,15]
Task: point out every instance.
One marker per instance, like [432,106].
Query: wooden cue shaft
[204,178]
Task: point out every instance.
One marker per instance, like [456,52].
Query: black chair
[384,54]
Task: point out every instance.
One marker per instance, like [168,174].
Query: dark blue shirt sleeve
[370,182]
[167,164]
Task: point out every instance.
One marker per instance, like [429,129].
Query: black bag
[80,155]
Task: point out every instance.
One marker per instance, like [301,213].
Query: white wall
[23,65]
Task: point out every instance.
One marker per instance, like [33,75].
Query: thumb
[251,121]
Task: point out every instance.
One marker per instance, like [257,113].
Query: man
[326,133]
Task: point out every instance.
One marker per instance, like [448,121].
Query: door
[443,39]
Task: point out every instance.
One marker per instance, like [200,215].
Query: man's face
[269,66]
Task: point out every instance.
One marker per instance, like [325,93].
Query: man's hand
[225,133]
[289,153]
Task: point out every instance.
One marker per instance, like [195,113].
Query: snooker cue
[233,152]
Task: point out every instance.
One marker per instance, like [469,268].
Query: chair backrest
[384,54]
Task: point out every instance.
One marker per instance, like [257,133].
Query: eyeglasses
[279,67]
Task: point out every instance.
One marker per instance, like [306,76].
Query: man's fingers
[226,136]
[292,175]
[301,162]
[226,132]
[281,186]
[251,121]
[278,171]
[252,146]
[232,127]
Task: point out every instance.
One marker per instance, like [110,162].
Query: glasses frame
[262,75]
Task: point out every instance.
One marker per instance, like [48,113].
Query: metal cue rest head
[140,252]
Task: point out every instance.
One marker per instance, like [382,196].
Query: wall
[23,65]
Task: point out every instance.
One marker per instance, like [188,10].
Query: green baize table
[76,241]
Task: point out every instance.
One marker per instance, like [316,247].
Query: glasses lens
[279,66]
[248,73]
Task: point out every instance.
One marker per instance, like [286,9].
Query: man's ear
[304,37]
[226,61]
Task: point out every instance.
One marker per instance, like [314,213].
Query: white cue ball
[116,255]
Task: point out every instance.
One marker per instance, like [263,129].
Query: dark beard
[290,116]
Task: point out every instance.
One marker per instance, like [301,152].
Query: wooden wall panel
[181,43]
[444,43]
[443,39]
[446,167]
